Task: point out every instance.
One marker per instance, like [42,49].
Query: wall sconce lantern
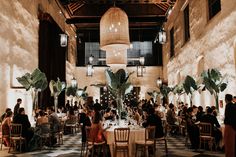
[90,69]
[141,68]
[159,82]
[63,40]
[162,36]
[73,82]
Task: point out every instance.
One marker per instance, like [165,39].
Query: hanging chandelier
[114,35]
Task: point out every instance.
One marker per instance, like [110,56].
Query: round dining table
[136,133]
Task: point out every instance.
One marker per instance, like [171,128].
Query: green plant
[36,82]
[118,85]
[178,90]
[154,94]
[213,81]
[56,87]
[189,86]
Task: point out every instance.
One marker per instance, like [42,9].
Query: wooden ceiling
[142,14]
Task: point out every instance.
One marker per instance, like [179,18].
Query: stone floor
[72,148]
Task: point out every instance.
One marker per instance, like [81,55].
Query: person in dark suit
[210,118]
[85,120]
[17,106]
[230,126]
[154,120]
[22,118]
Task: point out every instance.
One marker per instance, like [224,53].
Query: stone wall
[19,45]
[211,45]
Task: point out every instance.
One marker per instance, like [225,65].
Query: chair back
[45,128]
[15,130]
[205,129]
[150,133]
[121,135]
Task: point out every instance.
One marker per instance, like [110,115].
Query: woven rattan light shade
[114,31]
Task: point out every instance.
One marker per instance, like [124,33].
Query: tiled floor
[72,147]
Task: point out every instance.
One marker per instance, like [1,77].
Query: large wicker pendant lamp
[114,35]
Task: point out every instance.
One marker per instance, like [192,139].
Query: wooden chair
[45,134]
[121,136]
[164,138]
[91,144]
[60,132]
[149,141]
[71,124]
[16,136]
[205,130]
[2,136]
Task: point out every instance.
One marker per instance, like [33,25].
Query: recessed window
[172,43]
[186,24]
[214,6]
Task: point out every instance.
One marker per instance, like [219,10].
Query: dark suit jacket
[155,120]
[22,119]
[230,115]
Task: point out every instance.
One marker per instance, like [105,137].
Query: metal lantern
[63,40]
[73,82]
[162,36]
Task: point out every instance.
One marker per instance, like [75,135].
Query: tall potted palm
[36,82]
[119,86]
[56,87]
[190,86]
[213,81]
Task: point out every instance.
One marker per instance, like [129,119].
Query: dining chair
[2,136]
[16,136]
[71,124]
[164,138]
[60,132]
[205,130]
[149,141]
[45,135]
[121,144]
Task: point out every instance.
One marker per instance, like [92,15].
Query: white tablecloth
[135,134]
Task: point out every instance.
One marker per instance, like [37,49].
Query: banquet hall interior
[145,78]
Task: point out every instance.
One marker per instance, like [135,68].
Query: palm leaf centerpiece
[56,87]
[36,82]
[119,86]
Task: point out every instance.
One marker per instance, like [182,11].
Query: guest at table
[67,105]
[107,115]
[22,118]
[171,119]
[210,118]
[86,122]
[230,126]
[200,113]
[192,129]
[6,128]
[234,99]
[4,114]
[154,120]
[53,120]
[96,130]
[42,118]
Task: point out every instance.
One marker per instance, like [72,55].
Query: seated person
[107,115]
[6,128]
[192,129]
[154,120]
[22,118]
[42,118]
[4,114]
[171,119]
[54,120]
[210,118]
[96,129]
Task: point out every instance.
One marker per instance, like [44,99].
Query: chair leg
[136,152]
[166,146]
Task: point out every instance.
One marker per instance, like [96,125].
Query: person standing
[230,126]
[17,106]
